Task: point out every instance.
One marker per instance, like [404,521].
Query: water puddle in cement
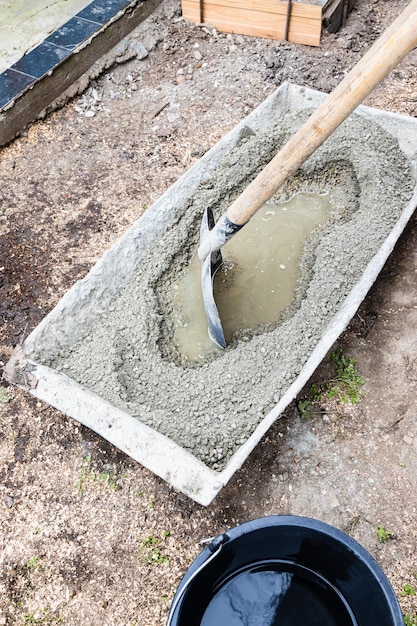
[259,277]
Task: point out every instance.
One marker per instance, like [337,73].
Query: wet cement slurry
[127,355]
[257,279]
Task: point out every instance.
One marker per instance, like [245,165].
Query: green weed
[38,616]
[383,534]
[33,563]
[4,399]
[4,396]
[408,590]
[346,385]
[151,552]
[410,620]
[109,478]
[89,473]
[9,428]
[149,541]
[85,471]
[305,408]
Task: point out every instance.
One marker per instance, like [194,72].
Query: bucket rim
[290,521]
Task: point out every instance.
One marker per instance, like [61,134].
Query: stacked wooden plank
[292,20]
[335,13]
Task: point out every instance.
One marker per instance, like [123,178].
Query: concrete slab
[46,47]
[184,471]
[24,25]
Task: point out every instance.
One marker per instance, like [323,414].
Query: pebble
[408,440]
[334,502]
[141,52]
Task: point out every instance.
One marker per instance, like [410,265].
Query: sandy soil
[87,535]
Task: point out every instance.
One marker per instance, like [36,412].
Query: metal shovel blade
[209,267]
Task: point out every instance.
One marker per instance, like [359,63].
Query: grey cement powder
[126,355]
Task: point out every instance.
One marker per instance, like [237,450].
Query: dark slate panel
[101,11]
[72,33]
[41,59]
[12,84]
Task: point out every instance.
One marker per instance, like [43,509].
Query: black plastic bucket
[285,571]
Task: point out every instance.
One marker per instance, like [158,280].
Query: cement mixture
[79,517]
[210,409]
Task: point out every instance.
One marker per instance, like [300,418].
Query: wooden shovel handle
[381,58]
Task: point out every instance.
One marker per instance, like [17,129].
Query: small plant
[345,386]
[305,408]
[149,541]
[89,473]
[408,590]
[383,534]
[139,494]
[85,470]
[316,392]
[9,428]
[38,616]
[4,396]
[151,551]
[109,478]
[410,620]
[33,563]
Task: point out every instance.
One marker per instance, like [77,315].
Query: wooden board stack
[290,20]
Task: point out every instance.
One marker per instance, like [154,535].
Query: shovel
[381,58]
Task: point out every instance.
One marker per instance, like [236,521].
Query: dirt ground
[87,535]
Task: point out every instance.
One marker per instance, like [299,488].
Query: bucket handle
[215,548]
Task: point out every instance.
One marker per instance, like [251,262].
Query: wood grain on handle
[381,58]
